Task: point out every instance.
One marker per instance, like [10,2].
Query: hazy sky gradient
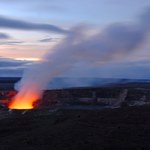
[28,29]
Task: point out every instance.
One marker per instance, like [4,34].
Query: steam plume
[111,43]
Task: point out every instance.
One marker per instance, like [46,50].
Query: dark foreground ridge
[122,128]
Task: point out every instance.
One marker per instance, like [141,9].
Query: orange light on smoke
[20,105]
[25,102]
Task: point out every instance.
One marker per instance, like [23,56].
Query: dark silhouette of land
[115,116]
[122,128]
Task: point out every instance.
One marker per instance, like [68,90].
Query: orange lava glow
[22,102]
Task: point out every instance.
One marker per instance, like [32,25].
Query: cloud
[122,69]
[49,40]
[11,42]
[4,36]
[8,63]
[12,68]
[24,25]
[115,42]
[144,19]
[110,44]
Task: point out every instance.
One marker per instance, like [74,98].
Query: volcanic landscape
[114,116]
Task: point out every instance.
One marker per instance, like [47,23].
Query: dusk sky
[30,29]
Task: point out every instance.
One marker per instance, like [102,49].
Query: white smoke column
[113,42]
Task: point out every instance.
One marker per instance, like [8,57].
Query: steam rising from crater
[113,42]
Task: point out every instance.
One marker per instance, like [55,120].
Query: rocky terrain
[122,128]
[78,119]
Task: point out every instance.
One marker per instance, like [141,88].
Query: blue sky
[29,29]
[62,11]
